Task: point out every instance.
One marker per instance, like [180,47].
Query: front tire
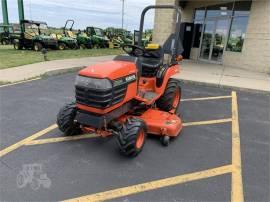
[5,42]
[65,120]
[62,46]
[132,137]
[82,46]
[170,100]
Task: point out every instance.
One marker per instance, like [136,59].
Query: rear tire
[5,42]
[170,100]
[17,45]
[132,137]
[65,120]
[37,46]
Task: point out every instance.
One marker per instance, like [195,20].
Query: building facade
[228,32]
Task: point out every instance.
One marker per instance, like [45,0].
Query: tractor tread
[166,100]
[128,136]
[65,120]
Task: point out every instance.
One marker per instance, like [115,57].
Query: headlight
[93,83]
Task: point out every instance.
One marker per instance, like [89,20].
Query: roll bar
[176,39]
[72,23]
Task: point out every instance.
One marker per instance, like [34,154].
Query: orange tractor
[131,96]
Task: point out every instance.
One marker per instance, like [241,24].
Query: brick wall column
[164,22]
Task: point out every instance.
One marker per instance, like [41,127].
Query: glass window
[199,14]
[219,10]
[242,8]
[99,31]
[237,34]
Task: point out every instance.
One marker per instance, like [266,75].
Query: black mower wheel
[165,140]
[37,46]
[62,46]
[170,100]
[132,137]
[65,120]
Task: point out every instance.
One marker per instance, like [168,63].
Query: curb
[52,72]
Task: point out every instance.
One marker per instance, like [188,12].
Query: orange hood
[110,69]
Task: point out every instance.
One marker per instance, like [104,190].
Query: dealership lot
[202,164]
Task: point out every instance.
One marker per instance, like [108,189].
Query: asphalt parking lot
[212,160]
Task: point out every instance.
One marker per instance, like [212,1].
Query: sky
[99,13]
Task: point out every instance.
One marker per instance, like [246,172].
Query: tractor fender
[160,75]
[164,75]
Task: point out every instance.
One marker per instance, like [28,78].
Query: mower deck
[162,123]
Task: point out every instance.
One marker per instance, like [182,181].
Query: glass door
[207,39]
[214,39]
[220,38]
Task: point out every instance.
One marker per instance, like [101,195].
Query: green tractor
[6,32]
[34,35]
[99,39]
[147,37]
[118,37]
[67,40]
[83,40]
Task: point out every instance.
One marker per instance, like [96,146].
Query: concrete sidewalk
[51,67]
[210,74]
[223,76]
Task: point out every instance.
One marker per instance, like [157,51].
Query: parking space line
[60,139]
[206,98]
[26,140]
[216,121]
[152,185]
[237,194]
[86,136]
[19,82]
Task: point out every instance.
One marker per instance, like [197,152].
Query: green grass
[13,58]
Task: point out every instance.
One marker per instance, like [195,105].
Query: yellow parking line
[206,98]
[60,139]
[86,136]
[216,121]
[237,184]
[19,82]
[26,140]
[135,189]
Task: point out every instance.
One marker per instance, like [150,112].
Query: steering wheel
[133,50]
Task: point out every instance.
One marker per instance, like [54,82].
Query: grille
[100,98]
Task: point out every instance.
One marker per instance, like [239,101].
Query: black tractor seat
[151,61]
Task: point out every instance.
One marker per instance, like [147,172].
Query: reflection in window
[198,25]
[219,10]
[237,34]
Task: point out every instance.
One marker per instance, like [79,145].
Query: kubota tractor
[131,96]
